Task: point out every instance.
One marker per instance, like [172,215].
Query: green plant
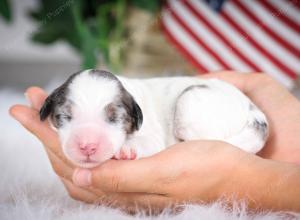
[5,10]
[95,28]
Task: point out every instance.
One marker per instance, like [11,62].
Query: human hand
[258,88]
[189,162]
[29,117]
[281,108]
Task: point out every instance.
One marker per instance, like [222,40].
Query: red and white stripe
[260,36]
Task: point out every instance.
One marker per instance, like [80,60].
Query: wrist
[266,184]
[282,181]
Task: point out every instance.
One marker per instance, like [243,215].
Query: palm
[282,110]
[283,113]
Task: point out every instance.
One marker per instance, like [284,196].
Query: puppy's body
[106,116]
[189,108]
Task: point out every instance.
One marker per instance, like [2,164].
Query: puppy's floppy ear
[57,97]
[133,110]
[50,102]
[47,107]
[137,115]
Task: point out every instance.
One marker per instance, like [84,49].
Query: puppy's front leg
[127,152]
[139,147]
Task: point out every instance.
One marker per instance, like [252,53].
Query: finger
[247,82]
[64,169]
[130,202]
[259,87]
[126,176]
[29,118]
[78,193]
[36,97]
[121,176]
[61,166]
[237,79]
[134,196]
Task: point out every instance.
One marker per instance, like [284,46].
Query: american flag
[244,35]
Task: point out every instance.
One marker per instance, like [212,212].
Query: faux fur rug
[30,190]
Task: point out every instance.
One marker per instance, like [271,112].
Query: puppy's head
[93,114]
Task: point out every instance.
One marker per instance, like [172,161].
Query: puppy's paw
[126,153]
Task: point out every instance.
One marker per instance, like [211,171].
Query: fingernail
[28,99]
[82,177]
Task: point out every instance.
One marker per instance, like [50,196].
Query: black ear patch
[137,116]
[134,112]
[47,108]
[57,98]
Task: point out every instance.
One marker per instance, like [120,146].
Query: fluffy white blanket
[30,190]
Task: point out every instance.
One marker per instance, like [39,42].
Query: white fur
[30,190]
[219,112]
[215,111]
[89,96]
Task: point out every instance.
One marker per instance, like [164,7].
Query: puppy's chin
[88,164]
[93,161]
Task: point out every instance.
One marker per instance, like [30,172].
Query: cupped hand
[281,108]
[190,171]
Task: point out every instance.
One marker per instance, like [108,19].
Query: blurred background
[43,40]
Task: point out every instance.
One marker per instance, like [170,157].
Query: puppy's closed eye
[63,117]
[111,111]
[59,119]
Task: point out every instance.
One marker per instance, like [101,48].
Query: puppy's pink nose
[88,149]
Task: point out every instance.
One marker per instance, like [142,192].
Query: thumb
[121,176]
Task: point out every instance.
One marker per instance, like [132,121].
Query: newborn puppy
[99,116]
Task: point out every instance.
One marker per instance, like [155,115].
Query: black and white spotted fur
[99,116]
